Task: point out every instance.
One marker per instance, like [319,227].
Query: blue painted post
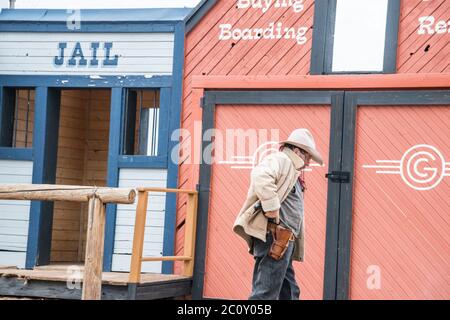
[172,166]
[115,132]
[45,146]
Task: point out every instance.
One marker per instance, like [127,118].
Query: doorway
[82,159]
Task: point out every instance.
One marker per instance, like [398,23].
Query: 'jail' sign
[77,57]
[90,53]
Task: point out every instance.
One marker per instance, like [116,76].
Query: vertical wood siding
[14,215]
[399,231]
[126,214]
[24,119]
[82,160]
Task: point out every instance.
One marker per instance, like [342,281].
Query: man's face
[304,155]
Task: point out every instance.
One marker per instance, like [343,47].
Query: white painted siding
[154,230]
[34,53]
[14,215]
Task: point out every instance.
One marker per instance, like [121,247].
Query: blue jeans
[273,280]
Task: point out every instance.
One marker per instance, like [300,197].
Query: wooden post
[93,265]
[138,239]
[189,234]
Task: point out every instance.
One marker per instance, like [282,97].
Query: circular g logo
[422,167]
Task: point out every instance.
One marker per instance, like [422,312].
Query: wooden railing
[97,198]
[139,229]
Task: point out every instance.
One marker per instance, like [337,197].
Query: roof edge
[197,14]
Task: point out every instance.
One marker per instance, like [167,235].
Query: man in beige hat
[271,219]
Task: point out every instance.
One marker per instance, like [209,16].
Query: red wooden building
[372,85]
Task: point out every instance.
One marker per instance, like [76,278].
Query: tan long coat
[270,182]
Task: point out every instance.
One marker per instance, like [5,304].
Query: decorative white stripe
[388,172]
[383,167]
[388,161]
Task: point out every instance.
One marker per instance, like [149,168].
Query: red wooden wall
[400,243]
[206,55]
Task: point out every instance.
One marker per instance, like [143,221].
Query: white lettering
[264,5]
[271,32]
[441,27]
[422,27]
[243,4]
[301,38]
[428,25]
[225,33]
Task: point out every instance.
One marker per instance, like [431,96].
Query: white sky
[98,4]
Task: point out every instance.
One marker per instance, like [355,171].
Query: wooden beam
[50,192]
[167,258]
[138,239]
[93,265]
[372,81]
[189,234]
[149,189]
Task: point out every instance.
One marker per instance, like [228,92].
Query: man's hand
[272,214]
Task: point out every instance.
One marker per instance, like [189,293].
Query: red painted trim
[390,81]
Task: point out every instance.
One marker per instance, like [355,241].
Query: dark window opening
[17,118]
[141,123]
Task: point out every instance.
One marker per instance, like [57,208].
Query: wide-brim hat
[303,139]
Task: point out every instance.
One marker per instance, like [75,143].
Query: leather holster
[281,237]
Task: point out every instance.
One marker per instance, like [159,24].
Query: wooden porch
[88,282]
[65,281]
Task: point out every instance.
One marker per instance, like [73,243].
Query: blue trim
[165,106]
[159,162]
[198,13]
[73,81]
[45,146]
[89,20]
[172,169]
[88,27]
[115,126]
[94,15]
[16,153]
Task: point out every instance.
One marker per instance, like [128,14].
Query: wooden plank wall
[24,120]
[427,53]
[205,54]
[400,242]
[82,160]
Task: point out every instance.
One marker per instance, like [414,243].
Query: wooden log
[93,265]
[167,258]
[50,192]
[155,189]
